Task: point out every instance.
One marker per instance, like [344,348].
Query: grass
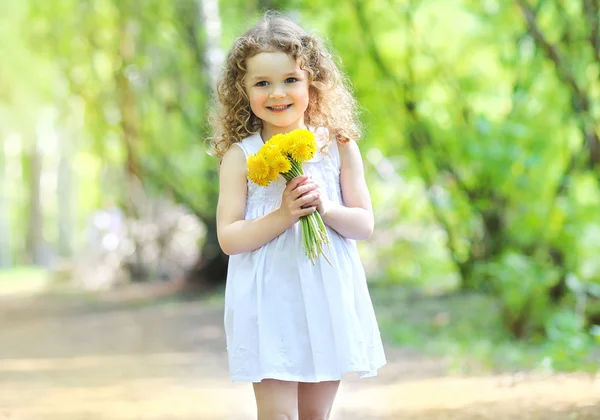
[23,279]
[467,330]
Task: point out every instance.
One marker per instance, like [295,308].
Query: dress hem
[297,378]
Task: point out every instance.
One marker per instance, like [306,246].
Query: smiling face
[278,91]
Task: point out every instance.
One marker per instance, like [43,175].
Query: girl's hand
[297,198]
[320,202]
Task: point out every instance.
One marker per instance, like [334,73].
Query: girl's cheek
[300,87]
[256,102]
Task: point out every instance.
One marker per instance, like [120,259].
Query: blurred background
[481,148]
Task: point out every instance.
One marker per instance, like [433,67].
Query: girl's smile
[279,108]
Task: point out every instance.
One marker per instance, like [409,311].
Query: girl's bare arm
[354,219]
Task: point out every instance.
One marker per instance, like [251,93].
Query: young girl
[293,328]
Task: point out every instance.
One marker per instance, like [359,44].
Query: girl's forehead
[273,63]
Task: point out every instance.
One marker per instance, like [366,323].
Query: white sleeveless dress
[287,319]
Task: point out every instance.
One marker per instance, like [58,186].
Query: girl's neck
[266,132]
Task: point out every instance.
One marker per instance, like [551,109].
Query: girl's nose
[277,92]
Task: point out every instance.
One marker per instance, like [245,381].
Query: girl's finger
[295,182]
[305,211]
[303,189]
[308,198]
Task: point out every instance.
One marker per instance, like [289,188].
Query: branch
[186,15]
[189,33]
[581,102]
[372,46]
[591,9]
[566,35]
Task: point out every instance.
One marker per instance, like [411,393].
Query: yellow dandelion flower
[275,158]
[271,152]
[276,141]
[302,145]
[303,151]
[302,134]
[259,170]
[273,174]
[281,164]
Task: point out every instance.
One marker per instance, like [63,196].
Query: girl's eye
[291,80]
[261,84]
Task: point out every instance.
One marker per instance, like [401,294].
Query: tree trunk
[64,191]
[129,123]
[130,136]
[35,233]
[5,251]
[211,268]
[213,54]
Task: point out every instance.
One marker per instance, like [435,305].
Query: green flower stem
[314,233]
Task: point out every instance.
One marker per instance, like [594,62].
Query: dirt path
[68,359]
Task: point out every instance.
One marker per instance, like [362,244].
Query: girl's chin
[284,122]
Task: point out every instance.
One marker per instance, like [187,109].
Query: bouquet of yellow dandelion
[283,155]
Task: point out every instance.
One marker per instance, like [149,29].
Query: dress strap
[334,152]
[251,144]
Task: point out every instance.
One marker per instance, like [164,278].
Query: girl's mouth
[279,108]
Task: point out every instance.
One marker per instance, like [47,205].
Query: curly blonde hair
[331,104]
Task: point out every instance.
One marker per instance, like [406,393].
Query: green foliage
[469,330]
[491,132]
